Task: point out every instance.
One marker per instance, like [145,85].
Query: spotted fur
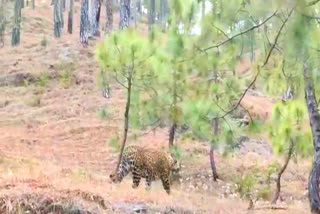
[148,164]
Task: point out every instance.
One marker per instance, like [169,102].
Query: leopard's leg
[148,181]
[166,182]
[136,175]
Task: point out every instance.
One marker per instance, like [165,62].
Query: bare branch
[219,29]
[242,96]
[277,37]
[247,112]
[265,62]
[241,33]
[313,2]
[118,81]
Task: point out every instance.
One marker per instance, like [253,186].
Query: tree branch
[242,96]
[221,31]
[277,37]
[265,62]
[313,2]
[118,81]
[241,33]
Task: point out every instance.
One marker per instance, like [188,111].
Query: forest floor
[54,146]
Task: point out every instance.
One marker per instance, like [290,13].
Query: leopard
[146,163]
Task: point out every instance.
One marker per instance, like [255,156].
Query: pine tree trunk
[124,14]
[2,22]
[152,14]
[109,24]
[172,135]
[84,22]
[70,17]
[95,17]
[138,6]
[211,154]
[133,12]
[284,167]
[314,118]
[17,20]
[63,4]
[33,4]
[126,120]
[174,110]
[164,10]
[22,3]
[203,12]
[57,18]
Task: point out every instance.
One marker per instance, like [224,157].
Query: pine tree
[57,18]
[151,13]
[84,22]
[164,10]
[63,5]
[122,59]
[70,17]
[2,22]
[17,21]
[124,14]
[95,17]
[109,24]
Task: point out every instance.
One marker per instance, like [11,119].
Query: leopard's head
[174,164]
[114,177]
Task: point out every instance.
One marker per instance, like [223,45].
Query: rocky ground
[54,145]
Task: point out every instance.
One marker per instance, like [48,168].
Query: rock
[16,79]
[4,103]
[67,55]
[139,208]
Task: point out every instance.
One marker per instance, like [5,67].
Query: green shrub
[272,168]
[176,152]
[105,113]
[114,143]
[66,78]
[245,185]
[44,79]
[44,42]
[264,193]
[34,101]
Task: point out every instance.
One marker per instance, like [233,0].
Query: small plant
[44,79]
[245,185]
[44,42]
[105,113]
[80,175]
[264,193]
[272,169]
[66,78]
[34,101]
[176,152]
[115,143]
[66,74]
[26,83]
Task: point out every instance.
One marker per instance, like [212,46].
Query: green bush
[245,185]
[176,152]
[114,143]
[105,113]
[44,79]
[44,42]
[264,193]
